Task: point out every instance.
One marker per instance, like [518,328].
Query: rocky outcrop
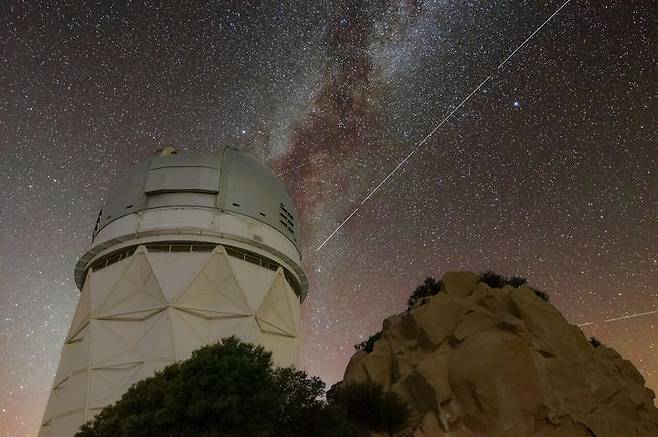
[476,361]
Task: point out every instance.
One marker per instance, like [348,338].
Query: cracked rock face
[476,361]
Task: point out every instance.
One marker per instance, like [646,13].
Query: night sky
[549,171]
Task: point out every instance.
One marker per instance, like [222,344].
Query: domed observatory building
[187,249]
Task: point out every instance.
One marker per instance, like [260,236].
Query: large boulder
[476,361]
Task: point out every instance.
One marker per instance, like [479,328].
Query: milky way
[548,172]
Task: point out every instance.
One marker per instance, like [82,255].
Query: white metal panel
[173,179]
[137,328]
[63,426]
[176,270]
[255,281]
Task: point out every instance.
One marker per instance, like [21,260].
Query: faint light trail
[389,175]
[337,229]
[425,139]
[444,120]
[615,319]
[533,34]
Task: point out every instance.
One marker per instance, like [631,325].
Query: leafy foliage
[594,342]
[231,389]
[429,288]
[543,296]
[369,344]
[494,280]
[517,281]
[370,407]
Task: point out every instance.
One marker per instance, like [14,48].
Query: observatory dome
[187,249]
[193,196]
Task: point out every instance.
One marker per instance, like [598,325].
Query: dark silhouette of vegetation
[494,280]
[370,407]
[543,296]
[594,342]
[369,344]
[517,281]
[429,288]
[231,389]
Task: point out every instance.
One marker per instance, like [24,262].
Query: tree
[494,280]
[429,288]
[370,407]
[541,294]
[228,389]
[369,344]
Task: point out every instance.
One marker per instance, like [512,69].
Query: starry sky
[549,171]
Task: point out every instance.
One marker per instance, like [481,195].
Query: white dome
[226,183]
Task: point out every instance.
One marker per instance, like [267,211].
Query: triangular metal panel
[82,311]
[176,270]
[137,289]
[276,309]
[148,369]
[133,316]
[107,385]
[266,327]
[285,350]
[255,281]
[215,289]
[75,356]
[69,396]
[103,281]
[243,328]
[158,341]
[66,425]
[210,315]
[294,304]
[190,332]
[115,341]
[248,331]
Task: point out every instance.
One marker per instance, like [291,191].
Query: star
[332,96]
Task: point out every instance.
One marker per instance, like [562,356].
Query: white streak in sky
[631,316]
[337,229]
[615,319]
[533,34]
[415,148]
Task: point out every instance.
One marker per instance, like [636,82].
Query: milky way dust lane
[441,123]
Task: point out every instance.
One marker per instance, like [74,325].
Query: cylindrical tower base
[153,304]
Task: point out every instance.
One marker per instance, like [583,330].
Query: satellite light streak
[441,123]
[338,228]
[533,34]
[616,319]
[424,140]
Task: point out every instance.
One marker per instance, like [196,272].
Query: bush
[370,407]
[517,281]
[429,288]
[494,280]
[543,296]
[369,344]
[228,389]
